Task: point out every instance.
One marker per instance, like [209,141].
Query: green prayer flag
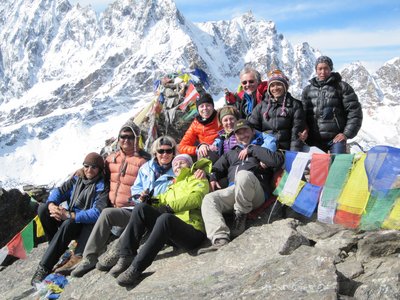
[27,237]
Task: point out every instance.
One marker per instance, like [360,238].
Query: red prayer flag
[190,97]
[319,168]
[347,219]
[16,247]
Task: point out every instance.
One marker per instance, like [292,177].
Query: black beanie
[94,159]
[205,98]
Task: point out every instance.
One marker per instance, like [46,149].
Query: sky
[347,31]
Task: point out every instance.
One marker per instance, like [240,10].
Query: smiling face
[127,141]
[249,82]
[205,110]
[323,71]
[228,122]
[178,165]
[276,89]
[244,135]
[164,155]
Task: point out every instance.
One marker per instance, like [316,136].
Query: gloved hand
[165,209]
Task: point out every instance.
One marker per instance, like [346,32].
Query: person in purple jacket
[85,195]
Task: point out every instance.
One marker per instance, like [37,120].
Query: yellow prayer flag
[39,227]
[288,199]
[393,220]
[355,194]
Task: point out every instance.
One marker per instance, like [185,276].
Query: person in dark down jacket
[280,114]
[249,169]
[253,90]
[173,217]
[333,112]
[86,195]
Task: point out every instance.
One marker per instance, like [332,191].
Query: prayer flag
[393,221]
[190,97]
[16,247]
[3,254]
[27,237]
[307,200]
[319,168]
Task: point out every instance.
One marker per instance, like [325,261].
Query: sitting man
[122,169]
[86,195]
[249,168]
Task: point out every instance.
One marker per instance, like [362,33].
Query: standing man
[249,168]
[253,90]
[333,112]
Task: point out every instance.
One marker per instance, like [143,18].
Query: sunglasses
[127,137]
[167,151]
[244,82]
[93,167]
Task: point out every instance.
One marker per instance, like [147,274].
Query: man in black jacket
[333,112]
[249,168]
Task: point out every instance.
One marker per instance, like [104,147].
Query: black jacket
[229,164]
[331,107]
[285,127]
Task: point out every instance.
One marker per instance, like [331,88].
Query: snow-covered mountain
[70,77]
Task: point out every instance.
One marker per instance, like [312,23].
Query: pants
[242,197]
[101,232]
[60,234]
[334,148]
[165,228]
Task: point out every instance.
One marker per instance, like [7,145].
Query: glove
[165,209]
[230,98]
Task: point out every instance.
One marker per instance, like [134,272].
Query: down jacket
[149,179]
[331,107]
[229,164]
[186,194]
[198,133]
[286,127]
[123,171]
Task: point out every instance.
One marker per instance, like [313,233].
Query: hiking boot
[40,274]
[122,264]
[87,264]
[68,267]
[129,277]
[218,243]
[239,225]
[108,260]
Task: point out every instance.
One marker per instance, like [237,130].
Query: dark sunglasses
[127,137]
[162,151]
[93,167]
[244,82]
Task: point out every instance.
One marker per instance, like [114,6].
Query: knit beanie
[228,110]
[278,76]
[324,60]
[94,159]
[184,157]
[205,98]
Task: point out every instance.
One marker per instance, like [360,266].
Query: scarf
[84,192]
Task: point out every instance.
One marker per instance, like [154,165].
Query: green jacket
[187,193]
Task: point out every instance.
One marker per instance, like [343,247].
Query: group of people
[180,202]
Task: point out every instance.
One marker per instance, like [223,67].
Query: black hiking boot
[129,277]
[108,260]
[239,225]
[40,274]
[122,264]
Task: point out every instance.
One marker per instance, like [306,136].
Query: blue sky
[347,31]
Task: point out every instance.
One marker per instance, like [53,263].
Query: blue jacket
[88,216]
[147,179]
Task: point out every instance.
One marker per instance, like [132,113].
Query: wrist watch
[68,215]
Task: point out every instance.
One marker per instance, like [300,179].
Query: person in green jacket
[173,217]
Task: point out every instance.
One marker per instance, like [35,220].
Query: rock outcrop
[283,260]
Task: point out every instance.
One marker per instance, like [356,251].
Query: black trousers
[165,228]
[60,234]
